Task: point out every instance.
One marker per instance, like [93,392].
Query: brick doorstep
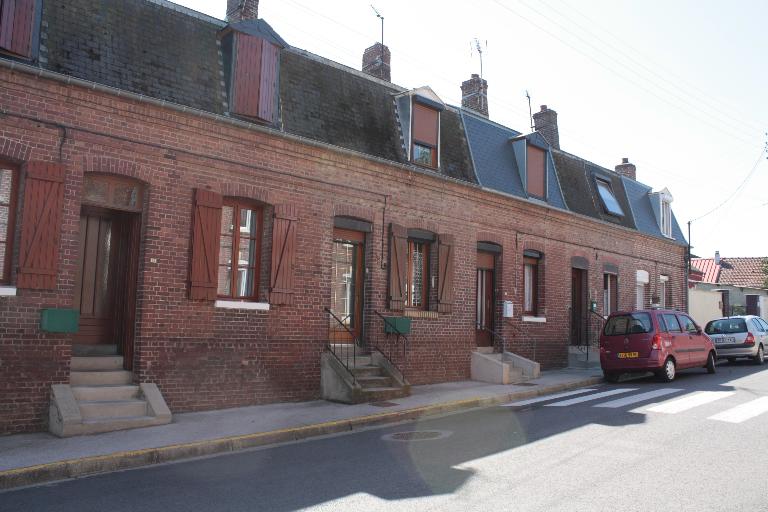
[74,468]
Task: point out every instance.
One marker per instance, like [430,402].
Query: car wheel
[611,377]
[711,368]
[760,357]
[667,372]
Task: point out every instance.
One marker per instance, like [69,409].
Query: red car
[661,341]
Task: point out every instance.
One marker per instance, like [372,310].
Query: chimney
[627,169]
[240,10]
[474,94]
[545,122]
[376,61]
[717,257]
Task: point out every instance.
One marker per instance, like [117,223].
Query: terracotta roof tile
[747,272]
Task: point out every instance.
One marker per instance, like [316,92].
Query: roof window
[610,203]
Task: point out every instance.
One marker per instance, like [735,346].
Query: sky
[677,87]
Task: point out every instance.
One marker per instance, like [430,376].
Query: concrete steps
[375,379]
[101,396]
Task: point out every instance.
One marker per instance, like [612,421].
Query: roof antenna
[378,15]
[475,46]
[530,112]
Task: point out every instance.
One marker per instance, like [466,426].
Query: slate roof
[741,272]
[644,210]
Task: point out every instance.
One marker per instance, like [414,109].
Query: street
[698,443]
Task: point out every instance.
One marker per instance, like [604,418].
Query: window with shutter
[204,264]
[16,26]
[9,183]
[281,290]
[445,272]
[254,82]
[610,293]
[41,225]
[536,172]
[240,250]
[531,282]
[426,131]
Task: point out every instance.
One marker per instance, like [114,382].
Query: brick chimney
[376,61]
[545,122]
[239,10]
[627,169]
[474,94]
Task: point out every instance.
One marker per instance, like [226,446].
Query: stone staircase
[502,368]
[375,378]
[101,396]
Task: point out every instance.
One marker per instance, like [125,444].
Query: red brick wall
[202,357]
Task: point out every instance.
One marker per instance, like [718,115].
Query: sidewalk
[27,459]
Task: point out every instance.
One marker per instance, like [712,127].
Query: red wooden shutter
[16,18]
[536,171]
[206,236]
[41,225]
[445,273]
[281,290]
[398,254]
[425,126]
[247,75]
[268,86]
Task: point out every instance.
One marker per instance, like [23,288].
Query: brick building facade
[67,110]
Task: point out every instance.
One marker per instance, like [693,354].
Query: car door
[678,341]
[697,345]
[761,333]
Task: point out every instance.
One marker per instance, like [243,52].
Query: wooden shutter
[281,290]
[445,273]
[398,254]
[268,85]
[41,225]
[206,237]
[425,126]
[535,168]
[16,18]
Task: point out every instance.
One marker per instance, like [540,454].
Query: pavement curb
[73,468]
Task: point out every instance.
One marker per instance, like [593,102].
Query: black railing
[344,358]
[499,343]
[391,349]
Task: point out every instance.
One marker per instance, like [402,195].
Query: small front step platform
[101,396]
[348,376]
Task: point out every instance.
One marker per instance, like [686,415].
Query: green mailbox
[395,324]
[60,320]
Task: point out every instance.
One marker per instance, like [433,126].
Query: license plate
[729,339]
[627,355]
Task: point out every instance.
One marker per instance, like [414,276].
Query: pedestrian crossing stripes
[634,399]
[588,398]
[671,405]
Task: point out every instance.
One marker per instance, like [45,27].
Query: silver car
[739,336]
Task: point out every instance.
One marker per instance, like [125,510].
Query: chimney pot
[717,257]
[474,94]
[545,122]
[239,10]
[625,160]
[376,61]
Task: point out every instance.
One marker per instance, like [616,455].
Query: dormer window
[666,218]
[426,135]
[610,203]
[536,172]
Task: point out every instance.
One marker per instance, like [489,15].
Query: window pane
[528,303]
[672,324]
[225,251]
[248,222]
[2,260]
[226,220]
[6,177]
[4,213]
[247,253]
[225,280]
[422,155]
[417,275]
[245,282]
[609,200]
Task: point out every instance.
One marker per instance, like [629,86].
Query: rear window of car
[631,323]
[726,326]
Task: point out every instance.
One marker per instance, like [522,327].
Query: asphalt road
[699,443]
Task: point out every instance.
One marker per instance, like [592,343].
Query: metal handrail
[355,342]
[495,335]
[400,334]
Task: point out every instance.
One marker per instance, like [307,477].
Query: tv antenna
[530,112]
[378,15]
[475,46]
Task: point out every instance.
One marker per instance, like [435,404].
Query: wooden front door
[485,310]
[347,285]
[579,306]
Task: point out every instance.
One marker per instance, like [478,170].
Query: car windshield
[631,323]
[726,326]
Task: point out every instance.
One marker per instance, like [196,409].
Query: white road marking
[548,397]
[642,397]
[690,401]
[588,398]
[743,412]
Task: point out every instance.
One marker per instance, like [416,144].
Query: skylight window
[610,203]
